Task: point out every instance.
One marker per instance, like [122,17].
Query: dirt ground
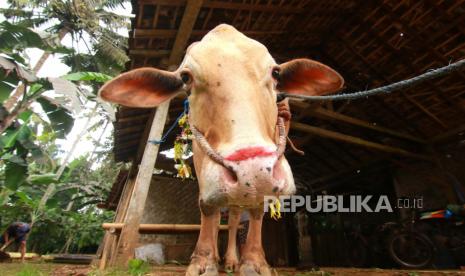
[326,271]
[50,269]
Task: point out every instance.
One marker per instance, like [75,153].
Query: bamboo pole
[328,114]
[129,234]
[159,228]
[357,141]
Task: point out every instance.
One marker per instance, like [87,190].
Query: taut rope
[434,73]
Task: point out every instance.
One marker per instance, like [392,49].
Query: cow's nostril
[229,175]
[278,172]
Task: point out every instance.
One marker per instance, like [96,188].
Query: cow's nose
[254,171]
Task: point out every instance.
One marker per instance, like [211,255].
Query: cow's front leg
[205,257]
[231,260]
[253,260]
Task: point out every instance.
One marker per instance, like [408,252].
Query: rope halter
[215,156]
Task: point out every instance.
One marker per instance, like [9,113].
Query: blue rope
[163,138]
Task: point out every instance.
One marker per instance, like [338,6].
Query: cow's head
[232,82]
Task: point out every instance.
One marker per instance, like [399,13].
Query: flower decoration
[183,148]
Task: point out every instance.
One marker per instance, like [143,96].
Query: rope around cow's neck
[434,73]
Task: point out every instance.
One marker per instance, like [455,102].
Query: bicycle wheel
[411,249]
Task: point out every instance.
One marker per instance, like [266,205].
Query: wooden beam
[129,236]
[231,6]
[411,65]
[168,33]
[328,114]
[110,242]
[421,41]
[343,172]
[160,228]
[355,140]
[324,114]
[384,77]
[149,53]
[446,135]
[185,30]
[379,101]
[347,177]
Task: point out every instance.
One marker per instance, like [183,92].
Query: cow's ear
[308,77]
[143,87]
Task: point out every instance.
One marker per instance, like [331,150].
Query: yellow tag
[275,210]
[182,120]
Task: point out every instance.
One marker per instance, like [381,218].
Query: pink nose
[255,172]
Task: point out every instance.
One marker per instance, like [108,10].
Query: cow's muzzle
[249,173]
[250,179]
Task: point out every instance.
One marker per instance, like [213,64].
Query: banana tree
[87,21]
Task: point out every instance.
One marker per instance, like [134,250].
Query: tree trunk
[78,138]
[98,142]
[71,203]
[68,242]
[51,188]
[11,117]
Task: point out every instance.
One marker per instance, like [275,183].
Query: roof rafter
[323,113]
[377,100]
[388,80]
[355,140]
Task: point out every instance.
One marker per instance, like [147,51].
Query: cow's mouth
[248,181]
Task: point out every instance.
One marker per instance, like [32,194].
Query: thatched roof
[371,43]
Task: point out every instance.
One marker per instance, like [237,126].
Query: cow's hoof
[231,267]
[198,270]
[231,264]
[265,270]
[253,270]
[248,270]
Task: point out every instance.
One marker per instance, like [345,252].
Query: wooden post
[129,236]
[121,212]
[110,239]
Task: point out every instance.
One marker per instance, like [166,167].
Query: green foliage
[15,37]
[45,178]
[60,118]
[62,208]
[29,270]
[75,230]
[138,267]
[88,76]
[5,90]
[15,175]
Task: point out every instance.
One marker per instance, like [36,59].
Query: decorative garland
[183,147]
[275,209]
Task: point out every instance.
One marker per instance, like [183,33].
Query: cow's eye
[275,73]
[186,77]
